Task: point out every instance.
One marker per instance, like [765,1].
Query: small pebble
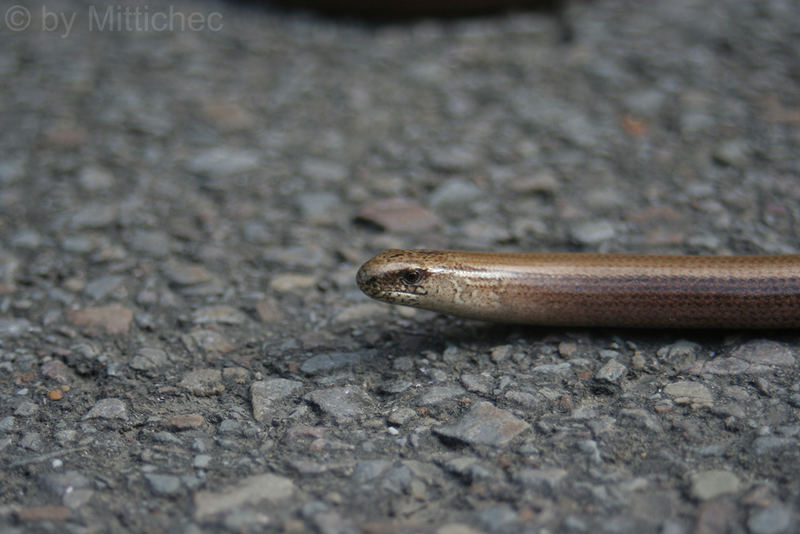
[186,274]
[166,485]
[148,359]
[612,372]
[772,520]
[342,403]
[113,319]
[184,422]
[203,382]
[267,395]
[711,484]
[691,393]
[439,394]
[254,490]
[593,233]
[485,424]
[151,243]
[218,314]
[108,409]
[286,283]
[222,162]
[398,215]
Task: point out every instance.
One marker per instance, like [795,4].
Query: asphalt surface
[187,190]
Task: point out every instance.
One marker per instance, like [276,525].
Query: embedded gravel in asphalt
[187,190]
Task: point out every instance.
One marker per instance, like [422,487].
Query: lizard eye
[411,277]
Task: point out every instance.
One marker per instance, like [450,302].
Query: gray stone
[769,444]
[31,441]
[292,282]
[148,359]
[78,244]
[545,480]
[457,528]
[755,357]
[772,520]
[317,204]
[323,170]
[594,232]
[342,403]
[183,274]
[642,418]
[102,287]
[439,394]
[11,328]
[206,343]
[468,467]
[167,437]
[612,372]
[153,243]
[401,416]
[66,436]
[367,470]
[711,484]
[398,479]
[456,158]
[95,179]
[691,393]
[8,267]
[396,386]
[721,366]
[266,395]
[403,363]
[108,409]
[528,400]
[733,152]
[26,408]
[480,384]
[12,170]
[58,371]
[556,369]
[485,424]
[113,319]
[323,363]
[7,423]
[246,521]
[225,161]
[501,353]
[765,353]
[257,233]
[455,192]
[77,498]
[202,461]
[61,483]
[332,523]
[267,488]
[93,216]
[25,238]
[219,314]
[230,426]
[590,448]
[166,485]
[203,382]
[679,355]
[398,215]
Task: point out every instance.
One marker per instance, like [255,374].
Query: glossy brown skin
[611,290]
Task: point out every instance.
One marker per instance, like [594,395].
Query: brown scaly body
[612,290]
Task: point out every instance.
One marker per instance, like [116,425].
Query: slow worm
[612,290]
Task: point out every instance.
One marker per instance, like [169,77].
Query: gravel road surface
[188,188]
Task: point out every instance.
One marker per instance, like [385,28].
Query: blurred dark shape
[416,8]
